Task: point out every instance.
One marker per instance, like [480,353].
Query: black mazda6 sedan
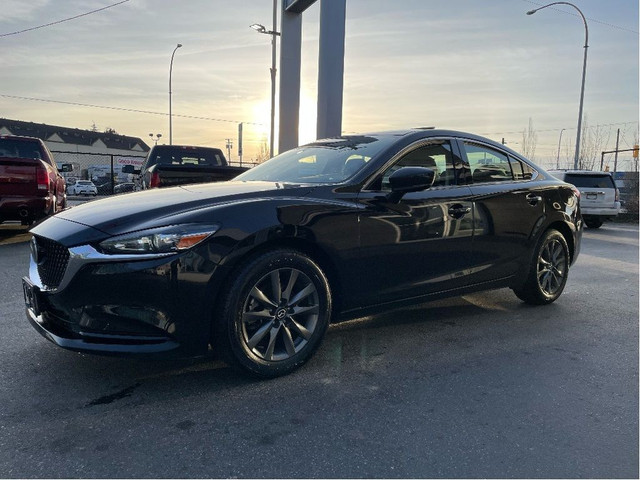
[256,268]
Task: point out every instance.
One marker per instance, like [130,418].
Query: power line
[132,110]
[519,132]
[63,20]
[590,19]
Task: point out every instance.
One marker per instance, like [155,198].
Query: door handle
[458,211]
[534,199]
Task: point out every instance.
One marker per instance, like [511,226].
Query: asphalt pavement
[477,386]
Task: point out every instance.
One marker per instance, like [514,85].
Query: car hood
[156,207]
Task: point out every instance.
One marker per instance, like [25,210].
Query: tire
[548,271]
[274,313]
[593,222]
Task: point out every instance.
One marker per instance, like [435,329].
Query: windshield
[325,161]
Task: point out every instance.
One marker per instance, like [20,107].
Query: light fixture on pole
[156,138]
[584,72]
[274,34]
[170,113]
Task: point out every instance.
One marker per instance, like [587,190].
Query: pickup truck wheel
[274,315]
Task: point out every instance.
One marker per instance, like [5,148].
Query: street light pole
[584,72]
[170,113]
[558,157]
[156,138]
[274,34]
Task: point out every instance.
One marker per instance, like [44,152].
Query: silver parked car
[599,195]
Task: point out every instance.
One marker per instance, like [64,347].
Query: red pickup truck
[31,186]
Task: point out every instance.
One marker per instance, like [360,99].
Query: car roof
[413,134]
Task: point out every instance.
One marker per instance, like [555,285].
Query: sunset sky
[471,65]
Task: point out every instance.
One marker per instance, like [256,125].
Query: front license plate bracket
[31,294]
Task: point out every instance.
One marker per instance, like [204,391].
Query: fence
[104,169]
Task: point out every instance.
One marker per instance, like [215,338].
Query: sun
[261,115]
[308,120]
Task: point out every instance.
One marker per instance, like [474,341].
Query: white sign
[135,161]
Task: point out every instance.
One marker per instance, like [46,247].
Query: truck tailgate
[18,176]
[171,175]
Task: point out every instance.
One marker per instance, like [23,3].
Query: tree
[263,154]
[594,140]
[529,141]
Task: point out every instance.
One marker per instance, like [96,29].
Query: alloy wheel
[552,267]
[280,314]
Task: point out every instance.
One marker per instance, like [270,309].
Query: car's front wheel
[274,314]
[548,271]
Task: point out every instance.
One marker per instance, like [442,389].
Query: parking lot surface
[477,386]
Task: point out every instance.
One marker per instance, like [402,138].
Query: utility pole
[229,147]
[558,156]
[615,158]
[240,142]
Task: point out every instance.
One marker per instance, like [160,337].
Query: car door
[509,207]
[420,244]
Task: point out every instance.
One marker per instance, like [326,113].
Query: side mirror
[66,167]
[130,169]
[409,179]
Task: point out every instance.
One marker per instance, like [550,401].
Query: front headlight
[168,239]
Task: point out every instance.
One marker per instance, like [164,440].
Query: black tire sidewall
[531,292]
[550,236]
[248,275]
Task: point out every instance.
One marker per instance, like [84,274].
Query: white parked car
[599,195]
[83,187]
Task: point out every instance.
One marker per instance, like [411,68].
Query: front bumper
[116,304]
[81,341]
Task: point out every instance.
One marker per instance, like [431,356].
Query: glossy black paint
[377,249]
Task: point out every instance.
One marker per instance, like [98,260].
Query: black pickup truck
[170,165]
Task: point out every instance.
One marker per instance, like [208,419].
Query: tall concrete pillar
[290,61]
[331,67]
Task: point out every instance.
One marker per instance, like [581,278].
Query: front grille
[52,259]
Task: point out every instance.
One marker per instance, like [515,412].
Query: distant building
[94,155]
[74,139]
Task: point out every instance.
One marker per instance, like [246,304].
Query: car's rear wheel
[548,271]
[275,313]
[593,222]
